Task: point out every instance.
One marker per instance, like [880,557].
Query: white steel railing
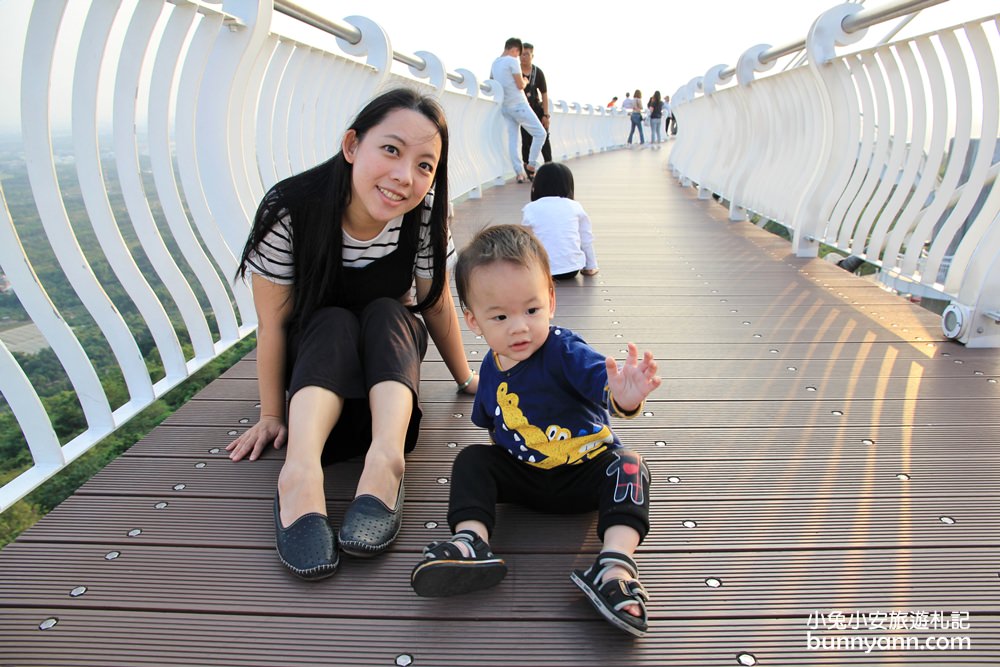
[210,107]
[889,153]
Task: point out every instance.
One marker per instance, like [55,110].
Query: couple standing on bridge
[342,258]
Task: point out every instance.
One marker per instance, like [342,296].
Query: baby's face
[511,307]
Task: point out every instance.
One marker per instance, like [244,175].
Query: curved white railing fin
[193,185]
[43,27]
[165,70]
[126,90]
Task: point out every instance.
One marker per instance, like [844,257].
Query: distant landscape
[43,367]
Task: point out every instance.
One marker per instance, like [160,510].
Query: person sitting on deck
[333,254]
[545,396]
[560,223]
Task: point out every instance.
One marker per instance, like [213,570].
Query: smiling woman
[334,254]
[394,166]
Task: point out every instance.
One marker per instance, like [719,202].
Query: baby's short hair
[501,243]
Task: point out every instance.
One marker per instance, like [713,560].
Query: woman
[333,255]
[655,114]
[636,117]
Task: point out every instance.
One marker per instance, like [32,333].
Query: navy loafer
[308,547]
[369,526]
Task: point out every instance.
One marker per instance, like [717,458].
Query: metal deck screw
[674,480]
[48,623]
[160,505]
[712,582]
[746,659]
[948,520]
[200,464]
[442,480]
[135,532]
[404,660]
[180,487]
[78,591]
[431,524]
[689,524]
[112,555]
[660,443]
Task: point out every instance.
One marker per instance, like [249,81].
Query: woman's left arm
[442,324]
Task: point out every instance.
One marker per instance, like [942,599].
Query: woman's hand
[634,381]
[253,441]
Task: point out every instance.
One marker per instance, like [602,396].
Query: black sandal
[446,570]
[611,596]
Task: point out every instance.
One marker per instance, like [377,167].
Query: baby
[545,396]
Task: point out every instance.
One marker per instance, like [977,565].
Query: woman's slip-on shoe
[369,526]
[308,547]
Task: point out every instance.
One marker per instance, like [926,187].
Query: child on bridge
[542,375]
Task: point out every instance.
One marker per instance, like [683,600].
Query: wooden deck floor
[816,448]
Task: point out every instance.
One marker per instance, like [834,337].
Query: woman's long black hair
[316,200]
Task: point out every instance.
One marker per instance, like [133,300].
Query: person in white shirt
[560,223]
[506,71]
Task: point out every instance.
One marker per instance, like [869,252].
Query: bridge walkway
[817,448]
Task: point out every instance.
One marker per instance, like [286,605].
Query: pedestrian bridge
[824,457]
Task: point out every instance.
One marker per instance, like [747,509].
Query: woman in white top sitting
[560,223]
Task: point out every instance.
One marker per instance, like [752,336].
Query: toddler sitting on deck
[539,374]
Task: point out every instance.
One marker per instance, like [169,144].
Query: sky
[588,56]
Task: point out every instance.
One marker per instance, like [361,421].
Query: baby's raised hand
[634,381]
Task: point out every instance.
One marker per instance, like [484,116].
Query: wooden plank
[892,443]
[772,524]
[753,583]
[665,413]
[787,382]
[838,475]
[141,639]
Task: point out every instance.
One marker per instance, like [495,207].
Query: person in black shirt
[537,91]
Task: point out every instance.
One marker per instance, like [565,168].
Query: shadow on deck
[816,448]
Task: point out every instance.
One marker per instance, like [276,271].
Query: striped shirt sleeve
[272,258]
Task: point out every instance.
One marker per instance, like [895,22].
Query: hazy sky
[589,51]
